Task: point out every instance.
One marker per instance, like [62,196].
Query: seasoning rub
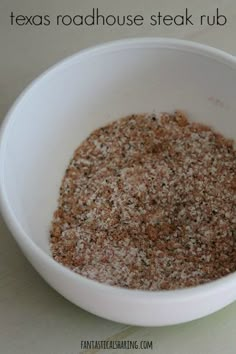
[149,203]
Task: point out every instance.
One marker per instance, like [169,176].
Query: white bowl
[61,107]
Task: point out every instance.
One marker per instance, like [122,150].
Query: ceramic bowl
[60,108]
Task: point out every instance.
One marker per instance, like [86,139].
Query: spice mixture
[149,203]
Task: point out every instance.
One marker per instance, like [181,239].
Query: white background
[33,317]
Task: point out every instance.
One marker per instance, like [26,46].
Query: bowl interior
[91,89]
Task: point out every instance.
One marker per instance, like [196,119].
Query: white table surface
[33,317]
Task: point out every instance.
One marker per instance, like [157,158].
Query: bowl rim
[178,295]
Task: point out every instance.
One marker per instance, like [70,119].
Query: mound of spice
[149,203]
